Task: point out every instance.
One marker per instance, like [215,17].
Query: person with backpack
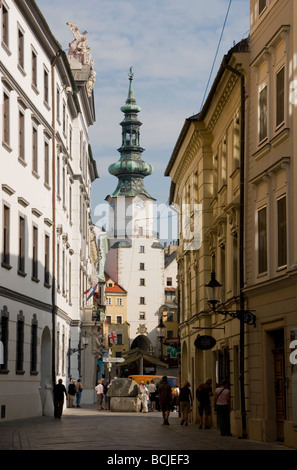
[203,395]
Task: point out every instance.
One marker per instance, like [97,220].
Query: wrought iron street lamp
[245,317]
[161,330]
[85,342]
[213,294]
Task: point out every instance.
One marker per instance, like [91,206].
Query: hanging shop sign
[204,342]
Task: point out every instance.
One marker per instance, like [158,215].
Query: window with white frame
[35,254]
[119,301]
[6,236]
[34,69]
[108,301]
[34,149]
[281,232]
[6,118]
[263,113]
[5,25]
[21,254]
[21,135]
[20,48]
[46,260]
[262,5]
[46,162]
[45,86]
[280,96]
[262,240]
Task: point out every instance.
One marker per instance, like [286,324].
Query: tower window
[262,6]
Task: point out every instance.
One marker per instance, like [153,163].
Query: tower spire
[131,76]
[130,169]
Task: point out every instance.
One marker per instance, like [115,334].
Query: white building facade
[46,174]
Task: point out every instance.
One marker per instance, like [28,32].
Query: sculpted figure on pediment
[78,46]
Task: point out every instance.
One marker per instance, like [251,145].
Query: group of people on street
[204,395]
[59,392]
[148,395]
[160,398]
[222,405]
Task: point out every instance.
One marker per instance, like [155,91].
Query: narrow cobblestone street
[88,429]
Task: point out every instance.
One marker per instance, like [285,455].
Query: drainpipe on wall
[54,306]
[241,248]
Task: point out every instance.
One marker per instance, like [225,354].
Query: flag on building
[92,291]
[112,337]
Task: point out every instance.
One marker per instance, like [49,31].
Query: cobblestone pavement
[89,429]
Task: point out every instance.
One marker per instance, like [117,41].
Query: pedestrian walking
[100,394]
[78,390]
[107,398]
[185,403]
[152,393]
[59,391]
[203,395]
[175,395]
[144,396]
[71,393]
[165,399]
[223,407]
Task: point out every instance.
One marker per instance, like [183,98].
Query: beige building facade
[271,242]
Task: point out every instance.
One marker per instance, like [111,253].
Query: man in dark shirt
[59,391]
[165,399]
[203,395]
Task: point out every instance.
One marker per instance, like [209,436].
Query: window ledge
[6,146]
[22,162]
[22,273]
[6,266]
[6,48]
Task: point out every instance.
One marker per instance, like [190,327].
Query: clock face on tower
[139,205]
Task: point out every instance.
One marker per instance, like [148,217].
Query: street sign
[204,342]
[113,359]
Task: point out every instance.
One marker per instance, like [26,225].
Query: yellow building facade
[116,325]
[205,173]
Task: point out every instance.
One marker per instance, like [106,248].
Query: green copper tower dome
[130,169]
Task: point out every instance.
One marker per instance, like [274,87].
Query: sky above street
[171,45]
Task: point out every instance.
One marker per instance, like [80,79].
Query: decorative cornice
[24,299]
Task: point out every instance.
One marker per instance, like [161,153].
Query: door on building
[279,387]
